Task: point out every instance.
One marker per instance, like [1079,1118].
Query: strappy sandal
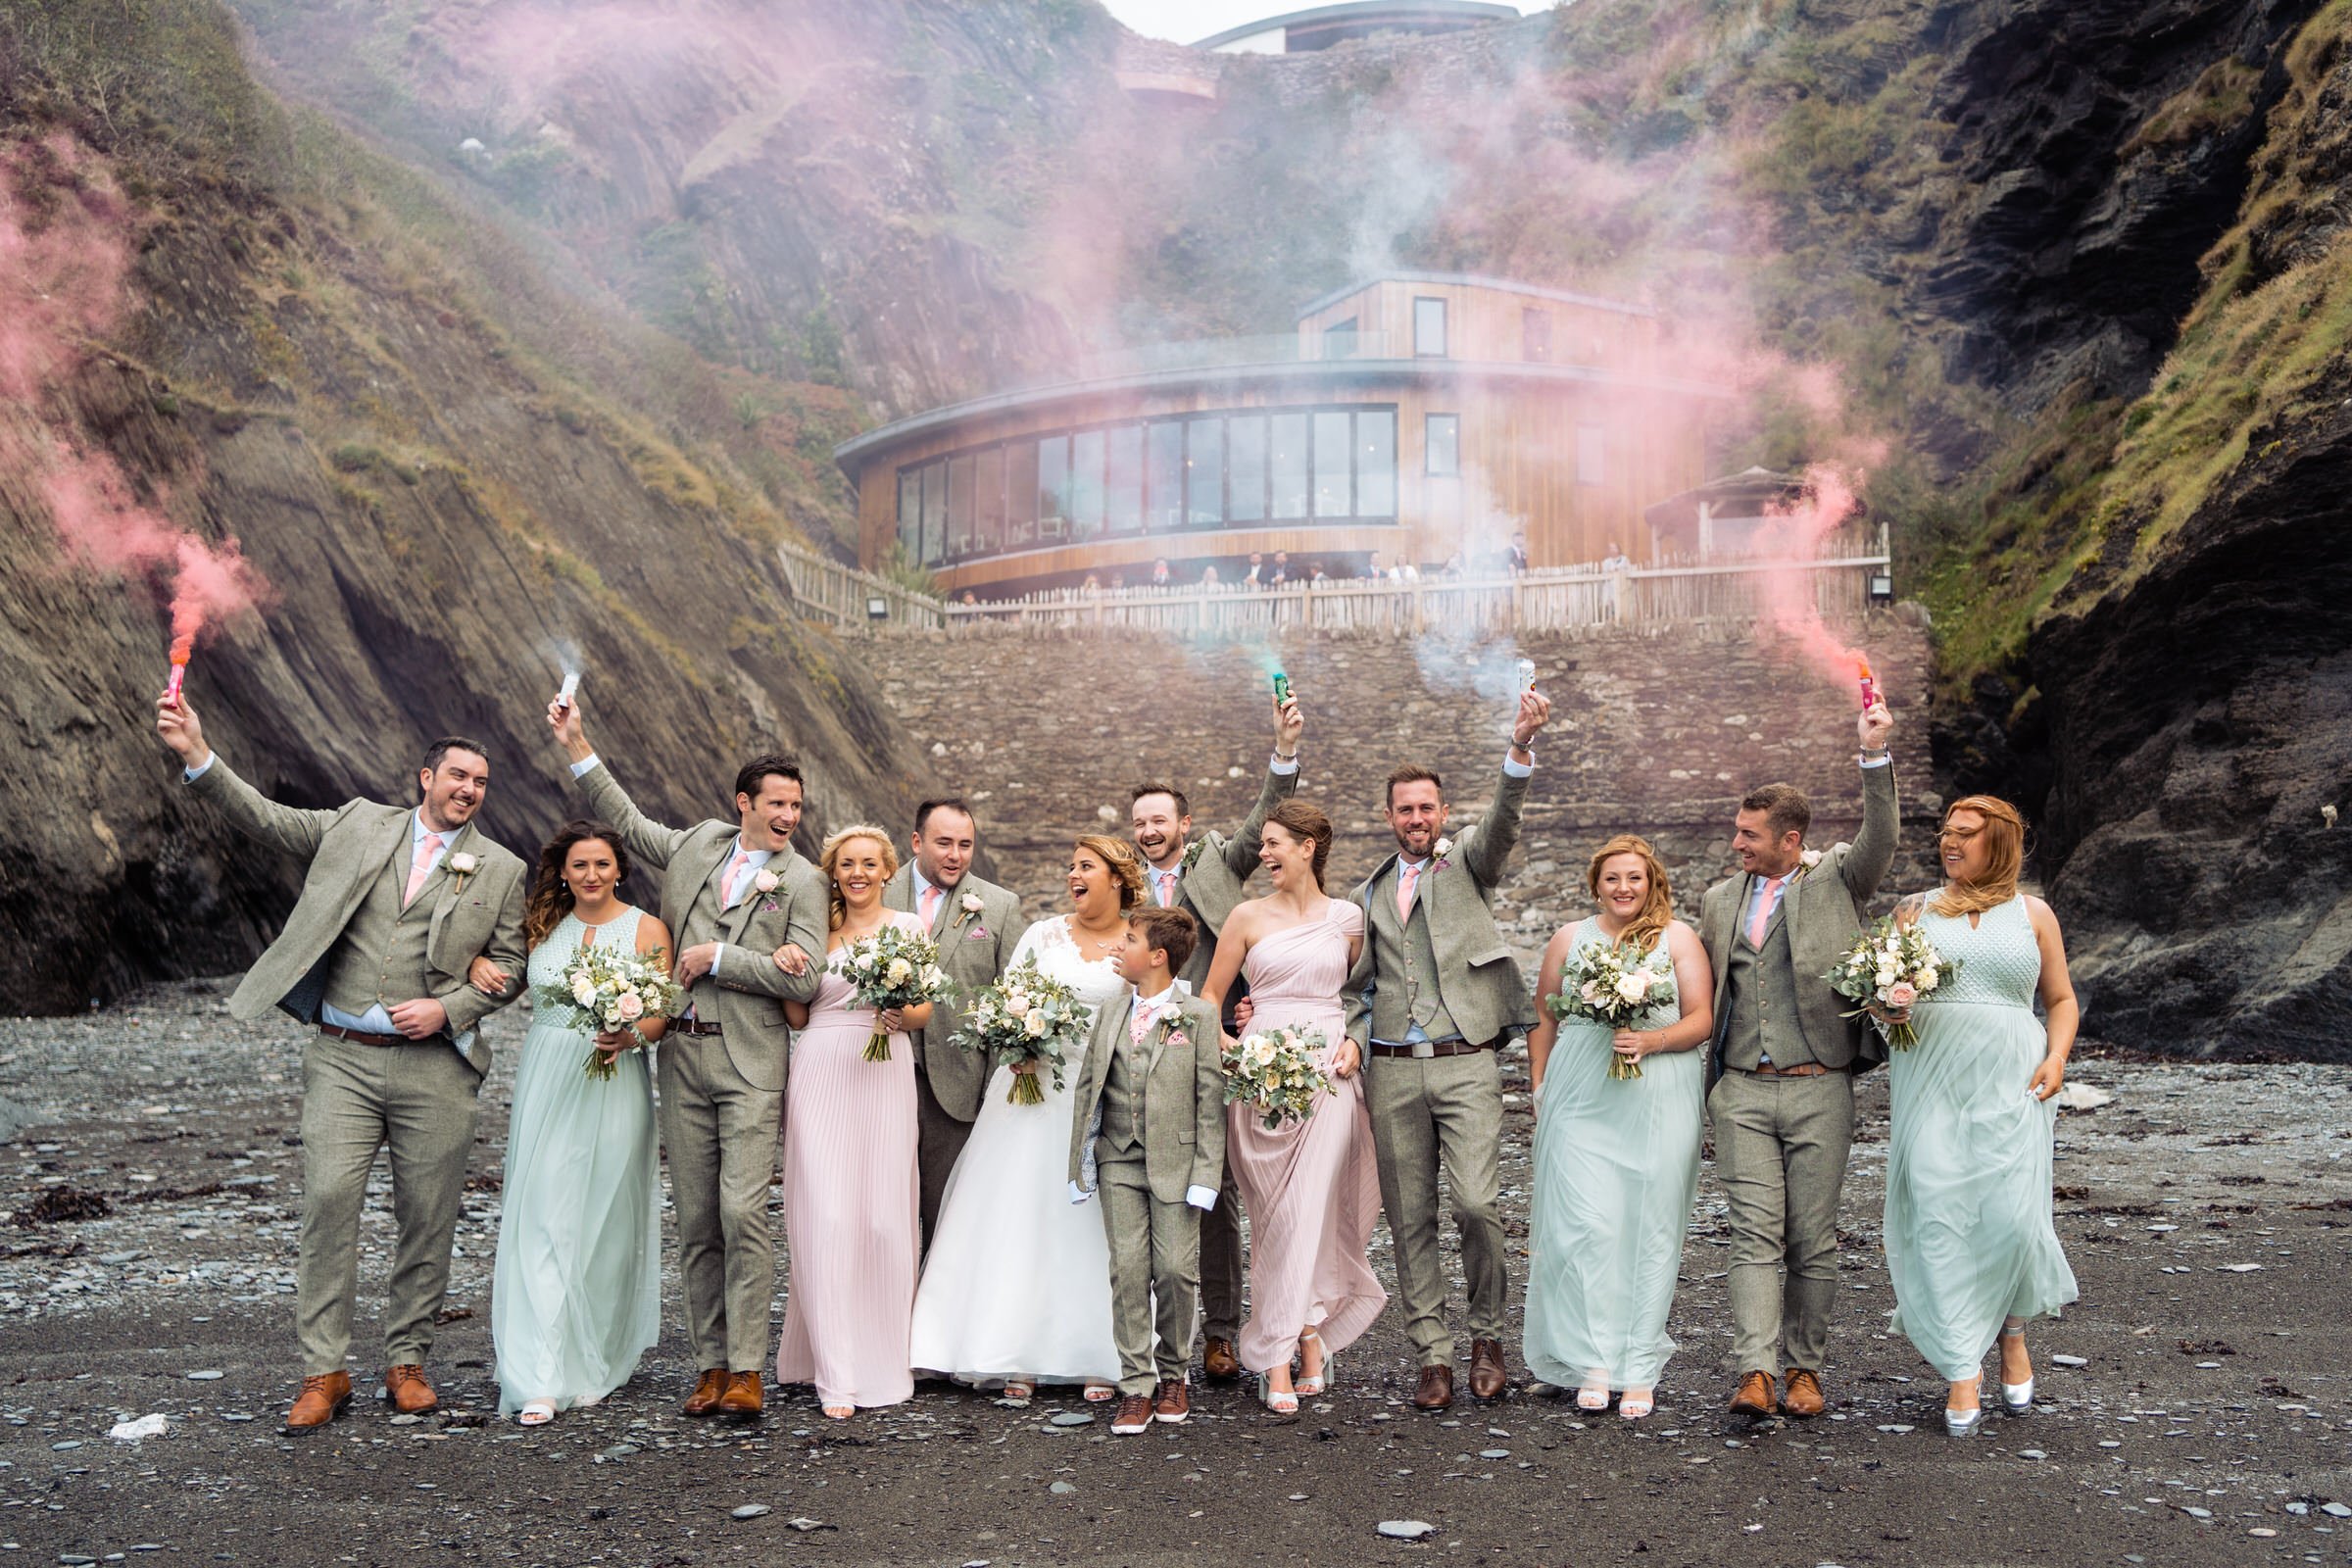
[1595,1394]
[1635,1404]
[1313,1386]
[1098,1393]
[1278,1401]
[1019,1391]
[535,1413]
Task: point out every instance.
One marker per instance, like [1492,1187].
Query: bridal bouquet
[605,989]
[1888,970]
[1277,1072]
[1614,985]
[1025,1016]
[894,967]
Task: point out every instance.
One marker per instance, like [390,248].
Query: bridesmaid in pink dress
[849,1184]
[1311,1188]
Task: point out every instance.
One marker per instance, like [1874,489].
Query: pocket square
[976,933]
[770,907]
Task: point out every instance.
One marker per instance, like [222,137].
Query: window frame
[1445,329]
[1429,449]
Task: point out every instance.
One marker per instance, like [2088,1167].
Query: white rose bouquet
[894,967]
[1888,969]
[1614,984]
[605,989]
[1026,1016]
[1277,1072]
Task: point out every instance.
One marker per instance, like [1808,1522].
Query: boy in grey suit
[1783,1101]
[396,903]
[977,925]
[1206,878]
[1152,1095]
[747,912]
[1433,993]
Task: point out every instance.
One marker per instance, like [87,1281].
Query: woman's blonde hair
[1658,906]
[1123,863]
[829,858]
[2004,834]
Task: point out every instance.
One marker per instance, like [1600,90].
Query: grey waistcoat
[380,954]
[1122,1103]
[1395,1009]
[1761,1015]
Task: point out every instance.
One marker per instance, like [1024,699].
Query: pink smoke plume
[63,263]
[1791,539]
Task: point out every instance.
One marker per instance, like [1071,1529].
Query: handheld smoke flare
[182,648]
[1870,682]
[570,689]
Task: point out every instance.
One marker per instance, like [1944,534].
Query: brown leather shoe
[1802,1396]
[707,1393]
[323,1399]
[1487,1378]
[1133,1416]
[1436,1389]
[1218,1361]
[742,1401]
[1172,1403]
[1754,1397]
[409,1394]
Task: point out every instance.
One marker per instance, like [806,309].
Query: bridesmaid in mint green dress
[1971,1245]
[576,1296]
[1616,1159]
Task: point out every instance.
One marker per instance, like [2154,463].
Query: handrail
[842,594]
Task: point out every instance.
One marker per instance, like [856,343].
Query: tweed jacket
[752,989]
[1217,868]
[1184,1098]
[1823,910]
[473,913]
[974,947]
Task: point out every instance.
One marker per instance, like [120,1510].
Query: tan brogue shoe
[323,1399]
[409,1394]
[706,1393]
[1487,1376]
[1754,1397]
[1802,1396]
[1436,1389]
[742,1401]
[1219,1362]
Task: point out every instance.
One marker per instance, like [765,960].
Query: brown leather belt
[1433,1047]
[1765,1069]
[692,1026]
[359,1037]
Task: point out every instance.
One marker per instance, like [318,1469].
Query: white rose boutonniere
[461,867]
[1806,862]
[766,881]
[1443,847]
[969,903]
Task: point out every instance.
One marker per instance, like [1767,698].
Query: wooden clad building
[1416,415]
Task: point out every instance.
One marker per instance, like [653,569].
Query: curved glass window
[1239,466]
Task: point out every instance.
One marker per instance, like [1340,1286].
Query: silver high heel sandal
[2017,1398]
[1274,1398]
[1308,1387]
[1965,1423]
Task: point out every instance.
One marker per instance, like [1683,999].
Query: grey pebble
[619,1450]
[405,1420]
[2032,1453]
[203,1377]
[1072,1418]
[60,1447]
[2336,1510]
[1493,1453]
[751,1510]
[1407,1529]
[236,1415]
[1061,1488]
[75,1559]
[2068,1360]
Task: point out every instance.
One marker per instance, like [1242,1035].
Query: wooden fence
[1838,583]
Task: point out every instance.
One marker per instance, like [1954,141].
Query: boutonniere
[766,881]
[1438,850]
[461,867]
[1805,863]
[1192,852]
[969,903]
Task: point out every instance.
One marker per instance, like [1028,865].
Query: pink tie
[422,868]
[726,889]
[1166,881]
[1407,876]
[1765,901]
[1140,1025]
[931,898]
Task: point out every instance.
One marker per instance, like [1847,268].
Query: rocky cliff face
[437,515]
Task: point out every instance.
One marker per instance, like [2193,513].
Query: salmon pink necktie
[931,898]
[1767,898]
[421,868]
[726,889]
[1407,876]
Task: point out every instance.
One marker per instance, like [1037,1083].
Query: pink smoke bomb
[1870,682]
[182,648]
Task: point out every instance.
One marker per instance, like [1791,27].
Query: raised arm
[1872,853]
[466,1005]
[291,828]
[651,842]
[1281,781]
[1489,847]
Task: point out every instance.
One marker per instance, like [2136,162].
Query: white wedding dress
[1018,1282]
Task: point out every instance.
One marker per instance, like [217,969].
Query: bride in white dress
[1016,1287]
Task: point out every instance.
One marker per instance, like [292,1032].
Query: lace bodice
[1660,1013]
[550,957]
[2000,963]
[1049,943]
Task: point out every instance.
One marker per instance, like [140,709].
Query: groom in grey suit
[1433,993]
[397,901]
[747,912]
[1783,1103]
[977,925]
[1206,878]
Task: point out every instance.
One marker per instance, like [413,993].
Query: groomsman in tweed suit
[1783,1103]
[396,903]
[977,925]
[1204,877]
[749,916]
[1434,993]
